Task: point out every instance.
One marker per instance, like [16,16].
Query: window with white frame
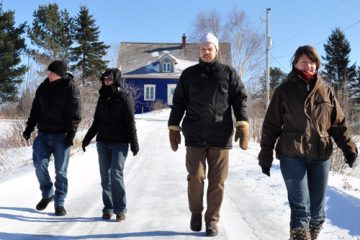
[149,92]
[166,67]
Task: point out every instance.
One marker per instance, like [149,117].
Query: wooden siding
[142,106]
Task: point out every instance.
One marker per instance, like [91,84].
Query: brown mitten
[242,132]
[175,139]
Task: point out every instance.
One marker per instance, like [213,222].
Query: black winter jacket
[205,93]
[114,118]
[56,107]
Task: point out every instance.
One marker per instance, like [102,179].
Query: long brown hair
[310,52]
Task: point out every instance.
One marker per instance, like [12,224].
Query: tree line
[53,34]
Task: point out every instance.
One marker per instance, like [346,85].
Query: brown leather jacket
[302,117]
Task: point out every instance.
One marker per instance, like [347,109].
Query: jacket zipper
[207,115]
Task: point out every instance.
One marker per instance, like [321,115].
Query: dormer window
[166,63]
[166,67]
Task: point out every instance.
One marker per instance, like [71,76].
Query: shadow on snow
[24,236]
[42,216]
[343,210]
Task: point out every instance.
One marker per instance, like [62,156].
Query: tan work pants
[218,163]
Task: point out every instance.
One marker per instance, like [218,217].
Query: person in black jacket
[206,93]
[56,111]
[115,128]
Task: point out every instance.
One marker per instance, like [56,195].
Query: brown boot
[196,222]
[120,217]
[299,234]
[211,229]
[315,231]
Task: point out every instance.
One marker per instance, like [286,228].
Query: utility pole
[1,4]
[268,45]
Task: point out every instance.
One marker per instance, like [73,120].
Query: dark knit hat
[114,74]
[58,67]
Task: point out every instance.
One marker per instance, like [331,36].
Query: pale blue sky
[292,23]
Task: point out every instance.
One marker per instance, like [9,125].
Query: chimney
[183,42]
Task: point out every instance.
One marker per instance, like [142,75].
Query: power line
[346,28]
[311,24]
[286,68]
[277,3]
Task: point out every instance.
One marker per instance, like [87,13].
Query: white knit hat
[210,38]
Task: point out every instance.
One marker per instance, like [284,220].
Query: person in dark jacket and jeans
[115,128]
[56,111]
[207,93]
[302,117]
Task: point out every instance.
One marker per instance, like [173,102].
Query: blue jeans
[111,162]
[44,145]
[306,182]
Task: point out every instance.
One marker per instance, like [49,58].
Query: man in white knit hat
[207,93]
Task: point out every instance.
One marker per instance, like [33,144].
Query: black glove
[27,133]
[266,171]
[85,143]
[83,146]
[134,148]
[69,141]
[350,159]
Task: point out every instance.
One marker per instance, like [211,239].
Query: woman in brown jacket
[302,116]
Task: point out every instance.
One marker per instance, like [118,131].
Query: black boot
[60,211]
[43,203]
[196,222]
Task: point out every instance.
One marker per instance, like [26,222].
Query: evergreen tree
[355,86]
[11,47]
[52,33]
[90,51]
[336,65]
[277,76]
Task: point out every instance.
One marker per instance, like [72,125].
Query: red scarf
[308,77]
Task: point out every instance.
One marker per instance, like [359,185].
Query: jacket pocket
[322,114]
[290,144]
[325,145]
[188,124]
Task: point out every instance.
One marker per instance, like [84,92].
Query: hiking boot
[211,229]
[315,230]
[106,216]
[44,202]
[120,217]
[60,211]
[196,222]
[300,234]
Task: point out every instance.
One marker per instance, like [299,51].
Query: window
[149,92]
[166,67]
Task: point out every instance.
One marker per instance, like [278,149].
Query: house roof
[141,59]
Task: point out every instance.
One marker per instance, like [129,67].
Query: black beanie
[58,67]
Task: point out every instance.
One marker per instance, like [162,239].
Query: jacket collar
[210,65]
[296,79]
